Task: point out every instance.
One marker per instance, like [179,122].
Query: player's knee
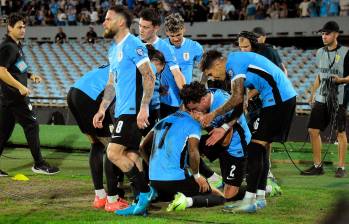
[230,191]
[313,132]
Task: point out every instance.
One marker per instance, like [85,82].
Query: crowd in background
[91,12]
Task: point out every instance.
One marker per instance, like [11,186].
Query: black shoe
[3,173]
[312,171]
[340,173]
[45,168]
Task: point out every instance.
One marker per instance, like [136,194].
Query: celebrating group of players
[150,80]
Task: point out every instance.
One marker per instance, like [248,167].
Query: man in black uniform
[15,105]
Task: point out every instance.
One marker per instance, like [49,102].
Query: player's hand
[24,91]
[98,119]
[207,119]
[311,101]
[35,78]
[203,184]
[337,79]
[142,117]
[216,134]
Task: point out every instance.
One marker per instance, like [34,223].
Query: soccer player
[333,64]
[134,84]
[171,79]
[174,144]
[232,155]
[84,98]
[247,70]
[248,42]
[15,105]
[186,50]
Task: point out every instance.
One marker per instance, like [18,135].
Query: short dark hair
[155,54]
[208,58]
[193,92]
[151,15]
[14,18]
[119,9]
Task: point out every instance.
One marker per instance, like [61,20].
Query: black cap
[259,31]
[330,26]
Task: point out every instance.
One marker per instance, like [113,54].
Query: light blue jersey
[261,74]
[187,54]
[241,136]
[125,58]
[93,82]
[167,80]
[169,156]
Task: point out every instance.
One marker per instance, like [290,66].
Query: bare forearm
[179,78]
[204,79]
[148,83]
[6,77]
[194,155]
[235,100]
[109,94]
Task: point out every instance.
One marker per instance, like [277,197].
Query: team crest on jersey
[119,55]
[140,51]
[186,56]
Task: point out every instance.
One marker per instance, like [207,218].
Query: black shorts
[167,189]
[210,152]
[166,110]
[83,109]
[320,118]
[275,122]
[232,169]
[126,132]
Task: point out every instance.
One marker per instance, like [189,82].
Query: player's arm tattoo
[148,82]
[194,155]
[109,93]
[237,98]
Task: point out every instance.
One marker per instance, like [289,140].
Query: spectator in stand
[304,8]
[61,37]
[313,8]
[344,6]
[61,18]
[324,8]
[91,36]
[71,17]
[273,11]
[94,16]
[251,10]
[85,17]
[333,8]
[49,19]
[228,10]
[283,10]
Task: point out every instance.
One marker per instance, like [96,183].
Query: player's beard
[109,33]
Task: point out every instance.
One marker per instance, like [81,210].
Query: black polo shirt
[12,58]
[271,53]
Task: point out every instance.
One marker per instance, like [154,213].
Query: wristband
[196,176]
[225,126]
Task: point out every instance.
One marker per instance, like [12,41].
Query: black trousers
[20,110]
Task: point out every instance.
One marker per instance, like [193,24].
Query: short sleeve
[198,51]
[138,53]
[237,65]
[195,130]
[8,55]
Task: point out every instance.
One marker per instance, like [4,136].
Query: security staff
[15,105]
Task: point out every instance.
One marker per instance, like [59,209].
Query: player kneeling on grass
[228,135]
[174,143]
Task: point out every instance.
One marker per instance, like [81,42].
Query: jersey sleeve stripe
[142,61]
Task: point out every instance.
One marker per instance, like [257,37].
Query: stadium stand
[62,64]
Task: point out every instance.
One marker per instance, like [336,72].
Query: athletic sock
[101,193]
[189,202]
[112,199]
